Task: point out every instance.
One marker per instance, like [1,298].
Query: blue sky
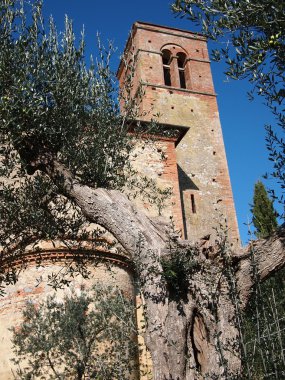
[242,120]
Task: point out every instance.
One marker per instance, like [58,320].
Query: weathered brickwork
[157,160]
[205,195]
[33,286]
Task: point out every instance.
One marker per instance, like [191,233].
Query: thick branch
[110,209]
[265,257]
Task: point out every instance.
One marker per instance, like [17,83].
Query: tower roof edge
[158,28]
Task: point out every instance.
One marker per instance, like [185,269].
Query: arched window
[181,60]
[166,60]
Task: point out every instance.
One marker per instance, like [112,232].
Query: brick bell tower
[173,67]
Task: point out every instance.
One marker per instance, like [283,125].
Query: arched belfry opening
[174,66]
[166,61]
[181,62]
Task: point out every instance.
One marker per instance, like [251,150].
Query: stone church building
[173,68]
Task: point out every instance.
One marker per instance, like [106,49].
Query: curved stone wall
[33,285]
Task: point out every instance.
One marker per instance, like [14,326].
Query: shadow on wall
[185,184]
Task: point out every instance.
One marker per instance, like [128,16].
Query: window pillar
[181,67]
[174,72]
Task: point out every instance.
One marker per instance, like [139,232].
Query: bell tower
[173,67]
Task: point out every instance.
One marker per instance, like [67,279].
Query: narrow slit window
[166,59]
[193,204]
[167,77]
[181,60]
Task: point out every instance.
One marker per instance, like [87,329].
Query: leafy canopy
[53,106]
[90,335]
[253,36]
[51,102]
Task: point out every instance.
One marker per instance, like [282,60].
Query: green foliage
[264,324]
[177,269]
[255,35]
[88,335]
[52,102]
[264,330]
[54,106]
[264,216]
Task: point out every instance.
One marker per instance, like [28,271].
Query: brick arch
[174,49]
[175,74]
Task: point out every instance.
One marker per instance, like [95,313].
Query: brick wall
[33,286]
[205,196]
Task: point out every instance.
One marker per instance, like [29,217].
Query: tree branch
[52,367]
[265,257]
[111,209]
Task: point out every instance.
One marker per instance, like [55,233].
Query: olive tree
[66,144]
[91,334]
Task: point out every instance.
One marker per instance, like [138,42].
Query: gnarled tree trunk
[192,332]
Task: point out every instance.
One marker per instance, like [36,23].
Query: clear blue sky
[242,121]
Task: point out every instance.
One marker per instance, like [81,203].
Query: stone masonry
[174,71]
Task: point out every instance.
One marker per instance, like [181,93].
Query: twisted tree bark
[191,333]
